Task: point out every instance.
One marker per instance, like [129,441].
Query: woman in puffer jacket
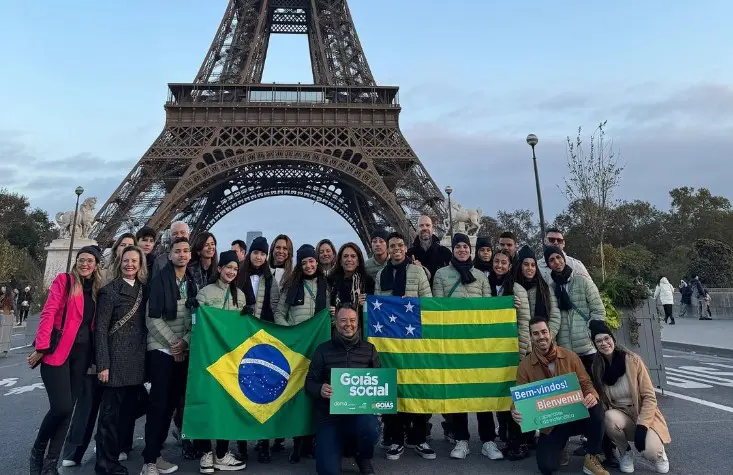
[665,293]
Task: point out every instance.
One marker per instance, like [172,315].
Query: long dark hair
[338,270]
[198,245]
[245,269]
[323,242]
[508,284]
[288,265]
[599,366]
[542,286]
[297,276]
[232,285]
[113,257]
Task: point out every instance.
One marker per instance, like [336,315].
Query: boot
[49,467]
[36,462]
[297,448]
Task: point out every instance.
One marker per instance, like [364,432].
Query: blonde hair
[77,278]
[142,272]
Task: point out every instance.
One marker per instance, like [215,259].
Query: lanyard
[226,300]
[305,285]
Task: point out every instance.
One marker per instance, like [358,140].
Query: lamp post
[449,190]
[532,141]
[79,190]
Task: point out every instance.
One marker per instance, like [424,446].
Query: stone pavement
[713,337]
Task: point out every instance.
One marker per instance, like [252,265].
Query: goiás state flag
[246,376]
[452,355]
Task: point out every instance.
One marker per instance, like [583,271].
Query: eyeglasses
[83,260]
[606,339]
[556,240]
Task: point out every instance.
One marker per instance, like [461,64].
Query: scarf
[296,292]
[545,360]
[464,270]
[347,289]
[246,282]
[483,266]
[498,281]
[616,369]
[165,293]
[348,342]
[540,306]
[394,278]
[561,292]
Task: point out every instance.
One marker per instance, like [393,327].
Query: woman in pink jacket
[63,368]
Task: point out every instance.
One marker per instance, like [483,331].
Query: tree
[635,260]
[712,261]
[489,227]
[521,222]
[23,228]
[592,178]
[697,213]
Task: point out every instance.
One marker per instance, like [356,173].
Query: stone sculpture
[84,220]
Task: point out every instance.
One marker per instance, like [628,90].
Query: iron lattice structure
[229,139]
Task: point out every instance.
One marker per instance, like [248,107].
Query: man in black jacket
[345,350]
[426,250]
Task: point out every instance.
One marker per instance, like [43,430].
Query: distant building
[251,236]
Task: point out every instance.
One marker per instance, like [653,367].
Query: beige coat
[645,399]
[417,283]
[447,277]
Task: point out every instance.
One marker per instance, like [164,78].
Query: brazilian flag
[246,376]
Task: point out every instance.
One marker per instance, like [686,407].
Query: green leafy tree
[712,261]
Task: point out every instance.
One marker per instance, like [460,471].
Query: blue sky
[82,87]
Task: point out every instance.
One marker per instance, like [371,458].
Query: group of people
[15,302]
[114,340]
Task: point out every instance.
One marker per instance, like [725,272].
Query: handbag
[57,333]
[121,322]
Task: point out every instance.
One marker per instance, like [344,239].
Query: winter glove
[247,310]
[640,437]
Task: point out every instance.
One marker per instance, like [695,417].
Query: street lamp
[449,190]
[532,141]
[79,190]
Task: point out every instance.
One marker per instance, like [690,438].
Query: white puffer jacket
[664,292]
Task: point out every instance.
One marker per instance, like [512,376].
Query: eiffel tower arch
[229,139]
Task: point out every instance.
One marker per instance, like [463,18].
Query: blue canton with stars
[394,317]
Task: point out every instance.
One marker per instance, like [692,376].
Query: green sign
[364,391]
[549,402]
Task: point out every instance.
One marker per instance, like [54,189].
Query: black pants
[395,426]
[23,314]
[332,436]
[167,386]
[83,420]
[63,385]
[114,422]
[222,447]
[668,312]
[587,361]
[486,426]
[550,446]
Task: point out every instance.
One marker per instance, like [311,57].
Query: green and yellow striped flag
[451,355]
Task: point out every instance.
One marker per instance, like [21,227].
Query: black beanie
[93,250]
[526,252]
[259,244]
[550,250]
[483,241]
[146,231]
[305,251]
[598,327]
[460,238]
[380,233]
[226,257]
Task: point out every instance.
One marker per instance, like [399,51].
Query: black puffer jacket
[435,257]
[334,354]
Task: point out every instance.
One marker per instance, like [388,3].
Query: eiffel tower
[229,139]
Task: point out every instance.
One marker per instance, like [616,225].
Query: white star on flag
[392,319]
[377,305]
[410,329]
[408,307]
[378,327]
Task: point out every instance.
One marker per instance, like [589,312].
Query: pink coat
[51,316]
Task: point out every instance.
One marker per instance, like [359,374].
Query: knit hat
[305,251]
[460,238]
[525,252]
[259,244]
[598,327]
[380,233]
[146,231]
[93,250]
[483,241]
[550,250]
[226,257]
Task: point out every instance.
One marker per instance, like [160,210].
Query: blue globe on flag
[264,373]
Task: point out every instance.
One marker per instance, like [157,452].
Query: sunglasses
[556,240]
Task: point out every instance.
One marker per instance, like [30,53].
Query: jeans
[167,387]
[550,446]
[486,426]
[63,384]
[621,429]
[332,435]
[118,404]
[396,424]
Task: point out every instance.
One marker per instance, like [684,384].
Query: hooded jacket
[664,292]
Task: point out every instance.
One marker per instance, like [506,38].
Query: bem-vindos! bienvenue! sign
[549,402]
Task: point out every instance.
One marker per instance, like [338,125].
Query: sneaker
[626,462]
[395,451]
[206,465]
[365,466]
[662,465]
[490,450]
[424,451]
[165,466]
[460,451]
[229,463]
[149,469]
[70,463]
[592,466]
[122,457]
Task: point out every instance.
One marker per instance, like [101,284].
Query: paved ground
[698,406]
[707,336]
